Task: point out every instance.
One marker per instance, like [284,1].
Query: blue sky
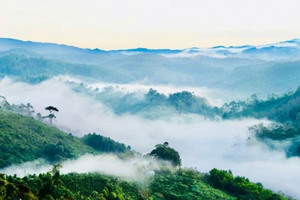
[115,24]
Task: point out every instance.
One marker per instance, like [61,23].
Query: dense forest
[183,184]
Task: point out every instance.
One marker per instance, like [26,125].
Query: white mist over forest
[134,169]
[203,144]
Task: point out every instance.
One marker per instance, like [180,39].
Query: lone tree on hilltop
[52,110]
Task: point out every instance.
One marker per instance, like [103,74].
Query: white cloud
[135,168]
[201,143]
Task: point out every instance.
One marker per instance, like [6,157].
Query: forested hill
[24,139]
[282,109]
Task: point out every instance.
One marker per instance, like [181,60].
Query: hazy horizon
[168,24]
[261,44]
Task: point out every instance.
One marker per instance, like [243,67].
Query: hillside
[184,184]
[24,139]
[35,69]
[285,108]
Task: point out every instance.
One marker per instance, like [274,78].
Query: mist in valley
[202,143]
[138,169]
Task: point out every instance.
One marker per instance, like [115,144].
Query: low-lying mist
[204,144]
[134,169]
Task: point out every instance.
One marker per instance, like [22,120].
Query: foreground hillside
[24,139]
[184,184]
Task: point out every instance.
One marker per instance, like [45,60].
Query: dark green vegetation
[24,139]
[103,144]
[240,187]
[282,137]
[164,152]
[183,184]
[285,110]
[282,109]
[52,185]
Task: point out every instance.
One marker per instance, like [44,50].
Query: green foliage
[98,186]
[25,139]
[12,190]
[281,109]
[275,134]
[184,184]
[164,152]
[240,187]
[103,144]
[72,186]
[275,131]
[187,102]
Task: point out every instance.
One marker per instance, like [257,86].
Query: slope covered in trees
[183,184]
[24,139]
[282,109]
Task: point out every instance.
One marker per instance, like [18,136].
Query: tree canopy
[51,109]
[164,152]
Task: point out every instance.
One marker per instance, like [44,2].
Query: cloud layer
[201,143]
[134,168]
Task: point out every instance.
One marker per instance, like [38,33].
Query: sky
[117,24]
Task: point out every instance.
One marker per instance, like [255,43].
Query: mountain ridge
[9,43]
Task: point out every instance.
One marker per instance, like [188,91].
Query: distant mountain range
[264,69]
[277,51]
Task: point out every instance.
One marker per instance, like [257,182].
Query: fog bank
[136,169]
[201,143]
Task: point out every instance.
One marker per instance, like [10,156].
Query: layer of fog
[133,168]
[216,52]
[216,97]
[202,144]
